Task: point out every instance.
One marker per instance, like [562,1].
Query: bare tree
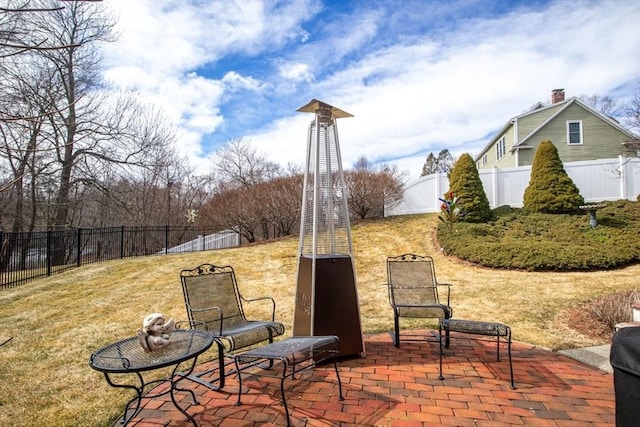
[602,103]
[144,162]
[256,212]
[283,199]
[370,189]
[632,110]
[73,152]
[90,132]
[239,164]
[74,69]
[145,194]
[69,142]
[24,104]
[13,37]
[16,39]
[234,209]
[632,117]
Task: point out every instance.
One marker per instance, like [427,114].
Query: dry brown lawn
[45,379]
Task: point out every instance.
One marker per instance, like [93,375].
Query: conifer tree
[550,189]
[430,165]
[465,183]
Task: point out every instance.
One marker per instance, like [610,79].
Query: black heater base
[333,310]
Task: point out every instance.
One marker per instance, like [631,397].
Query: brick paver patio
[400,388]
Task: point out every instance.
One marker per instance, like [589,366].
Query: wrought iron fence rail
[26,256]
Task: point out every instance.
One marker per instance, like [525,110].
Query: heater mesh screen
[324,199]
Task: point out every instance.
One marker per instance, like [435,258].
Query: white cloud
[162,43]
[234,81]
[304,36]
[296,72]
[450,93]
[411,93]
[285,140]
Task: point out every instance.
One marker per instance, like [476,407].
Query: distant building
[578,132]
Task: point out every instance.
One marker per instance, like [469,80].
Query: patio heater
[326,295]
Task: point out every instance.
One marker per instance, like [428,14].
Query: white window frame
[501,148]
[485,159]
[579,123]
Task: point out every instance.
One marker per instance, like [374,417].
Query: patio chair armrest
[388,285]
[202,310]
[185,324]
[273,304]
[448,285]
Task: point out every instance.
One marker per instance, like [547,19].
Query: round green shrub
[504,210]
[550,189]
[548,242]
[465,183]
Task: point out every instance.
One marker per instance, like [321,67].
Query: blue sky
[418,76]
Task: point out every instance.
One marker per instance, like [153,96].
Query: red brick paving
[400,388]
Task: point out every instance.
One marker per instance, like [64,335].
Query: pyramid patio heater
[326,296]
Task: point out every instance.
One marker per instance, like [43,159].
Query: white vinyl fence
[597,180]
[222,240]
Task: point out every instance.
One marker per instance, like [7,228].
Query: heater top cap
[314,105]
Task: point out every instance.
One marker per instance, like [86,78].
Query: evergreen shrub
[465,183]
[549,242]
[550,189]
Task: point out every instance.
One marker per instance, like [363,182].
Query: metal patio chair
[214,303]
[413,293]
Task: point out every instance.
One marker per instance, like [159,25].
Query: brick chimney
[557,95]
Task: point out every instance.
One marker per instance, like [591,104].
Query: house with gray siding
[578,132]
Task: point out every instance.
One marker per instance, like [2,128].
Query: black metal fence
[26,256]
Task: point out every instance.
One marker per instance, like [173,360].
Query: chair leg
[270,363]
[440,376]
[447,339]
[221,365]
[221,371]
[513,384]
[396,322]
